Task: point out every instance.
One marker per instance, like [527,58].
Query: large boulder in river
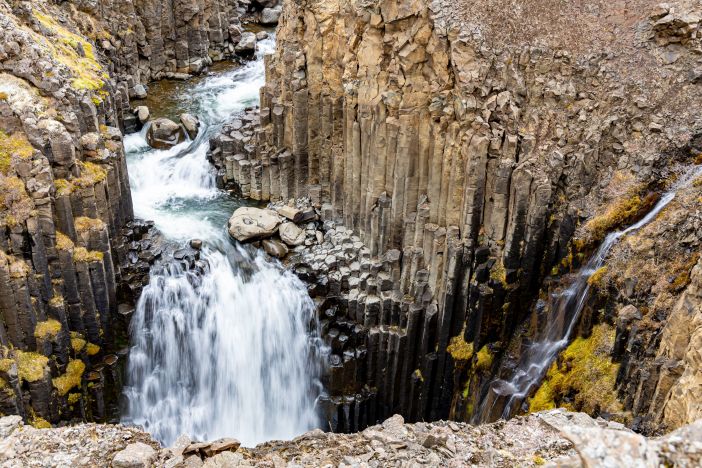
[191,124]
[164,134]
[270,15]
[247,44]
[253,223]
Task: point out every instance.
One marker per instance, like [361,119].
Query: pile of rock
[279,228]
[163,133]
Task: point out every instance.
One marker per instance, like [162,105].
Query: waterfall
[564,310]
[229,350]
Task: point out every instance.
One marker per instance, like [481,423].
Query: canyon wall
[455,149]
[72,260]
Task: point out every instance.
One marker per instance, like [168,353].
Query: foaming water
[564,310]
[227,351]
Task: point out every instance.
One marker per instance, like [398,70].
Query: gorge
[465,211]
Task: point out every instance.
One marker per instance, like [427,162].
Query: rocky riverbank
[554,438]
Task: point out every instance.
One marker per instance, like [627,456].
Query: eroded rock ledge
[555,438]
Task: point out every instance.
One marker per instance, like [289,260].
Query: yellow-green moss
[47,329]
[84,224]
[77,342]
[6,364]
[418,374]
[73,398]
[3,96]
[15,204]
[621,211]
[92,349]
[64,48]
[56,301]
[13,145]
[459,349]
[682,271]
[485,359]
[90,174]
[63,187]
[40,423]
[71,379]
[498,273]
[585,374]
[539,460]
[83,255]
[31,366]
[597,279]
[63,242]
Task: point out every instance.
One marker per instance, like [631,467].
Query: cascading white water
[564,310]
[224,352]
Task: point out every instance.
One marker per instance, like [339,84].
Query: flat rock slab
[253,224]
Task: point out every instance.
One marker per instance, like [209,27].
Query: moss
[682,271]
[597,279]
[418,374]
[15,204]
[498,273]
[40,423]
[74,52]
[539,460]
[92,349]
[90,174]
[485,359]
[63,187]
[6,364]
[3,96]
[459,349]
[13,145]
[77,342]
[31,366]
[73,398]
[583,378]
[622,211]
[56,301]
[63,242]
[83,255]
[84,224]
[49,328]
[71,379]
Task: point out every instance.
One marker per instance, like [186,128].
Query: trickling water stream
[564,310]
[227,353]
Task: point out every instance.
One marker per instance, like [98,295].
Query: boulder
[270,16]
[137,455]
[291,234]
[261,35]
[164,134]
[290,212]
[247,44]
[138,92]
[191,124]
[253,224]
[142,113]
[275,248]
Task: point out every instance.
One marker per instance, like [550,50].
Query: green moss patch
[84,224]
[71,379]
[63,242]
[47,329]
[83,255]
[15,145]
[31,366]
[459,349]
[583,378]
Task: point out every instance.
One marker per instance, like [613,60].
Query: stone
[253,224]
[191,124]
[221,445]
[139,92]
[137,455]
[275,248]
[291,234]
[247,44]
[164,134]
[270,16]
[291,213]
[142,113]
[196,244]
[261,35]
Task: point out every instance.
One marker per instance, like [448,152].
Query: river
[228,353]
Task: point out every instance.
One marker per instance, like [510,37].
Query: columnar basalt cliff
[464,144]
[72,260]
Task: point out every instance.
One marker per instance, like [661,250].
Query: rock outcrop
[467,143]
[554,438]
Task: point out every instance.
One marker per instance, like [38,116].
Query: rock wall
[72,260]
[463,159]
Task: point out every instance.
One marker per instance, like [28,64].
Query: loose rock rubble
[554,439]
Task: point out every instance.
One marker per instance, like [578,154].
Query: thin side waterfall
[564,310]
[229,351]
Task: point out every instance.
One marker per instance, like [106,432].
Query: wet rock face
[474,158]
